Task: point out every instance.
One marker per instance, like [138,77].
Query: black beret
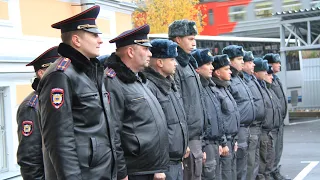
[181,28]
[272,58]
[85,20]
[260,64]
[163,48]
[137,35]
[45,59]
[270,70]
[220,61]
[202,56]
[233,51]
[248,56]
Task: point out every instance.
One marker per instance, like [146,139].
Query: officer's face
[268,78]
[90,44]
[224,73]
[168,66]
[276,67]
[261,75]
[237,63]
[205,70]
[141,57]
[248,67]
[187,43]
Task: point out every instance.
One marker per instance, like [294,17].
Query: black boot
[278,176]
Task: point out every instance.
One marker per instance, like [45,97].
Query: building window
[237,13]
[210,13]
[263,9]
[3,153]
[288,5]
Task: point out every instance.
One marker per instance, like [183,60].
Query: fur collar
[123,72]
[164,84]
[206,82]
[220,83]
[77,59]
[184,59]
[235,72]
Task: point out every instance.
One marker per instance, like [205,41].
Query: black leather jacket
[78,132]
[214,126]
[190,88]
[243,96]
[29,154]
[170,100]
[259,101]
[276,86]
[143,145]
[230,112]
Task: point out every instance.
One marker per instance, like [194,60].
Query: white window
[288,5]
[263,9]
[3,153]
[237,13]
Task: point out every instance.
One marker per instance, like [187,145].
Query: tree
[159,14]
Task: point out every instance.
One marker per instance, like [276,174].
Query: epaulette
[63,64]
[110,72]
[33,101]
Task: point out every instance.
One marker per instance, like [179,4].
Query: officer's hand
[236,147]
[204,157]
[220,150]
[126,178]
[225,151]
[159,176]
[187,153]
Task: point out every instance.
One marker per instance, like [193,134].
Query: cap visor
[146,44]
[93,30]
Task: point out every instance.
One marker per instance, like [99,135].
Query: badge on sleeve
[27,128]
[57,97]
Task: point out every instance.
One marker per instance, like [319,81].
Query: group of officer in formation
[152,110]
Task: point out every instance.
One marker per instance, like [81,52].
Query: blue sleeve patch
[33,101]
[110,72]
[63,64]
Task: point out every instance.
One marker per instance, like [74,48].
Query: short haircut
[67,36]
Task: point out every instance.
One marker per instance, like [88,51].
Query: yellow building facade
[25,32]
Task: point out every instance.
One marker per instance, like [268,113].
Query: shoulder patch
[63,64]
[110,72]
[33,101]
[27,127]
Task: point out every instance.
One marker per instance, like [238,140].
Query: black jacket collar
[77,59]
[220,83]
[35,83]
[125,74]
[235,72]
[164,84]
[184,59]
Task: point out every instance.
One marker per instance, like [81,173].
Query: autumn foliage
[160,13]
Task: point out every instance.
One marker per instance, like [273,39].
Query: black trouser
[242,153]
[266,155]
[253,152]
[228,163]
[193,164]
[278,149]
[211,170]
[175,171]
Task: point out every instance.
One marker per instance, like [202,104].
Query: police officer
[161,83]
[230,115]
[141,122]
[76,126]
[274,61]
[188,82]
[214,133]
[29,154]
[244,98]
[271,119]
[255,127]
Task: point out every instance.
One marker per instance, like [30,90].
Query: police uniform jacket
[230,112]
[273,112]
[190,88]
[77,129]
[170,100]
[259,102]
[276,86]
[29,154]
[141,122]
[214,128]
[243,96]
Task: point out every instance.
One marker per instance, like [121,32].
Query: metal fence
[311,83]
